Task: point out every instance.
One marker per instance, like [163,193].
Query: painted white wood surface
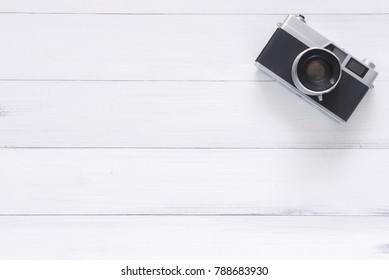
[194,181]
[193,6]
[116,113]
[180,114]
[164,47]
[145,237]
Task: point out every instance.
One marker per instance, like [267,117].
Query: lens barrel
[316,71]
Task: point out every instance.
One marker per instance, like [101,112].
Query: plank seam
[352,147]
[183,14]
[195,215]
[156,81]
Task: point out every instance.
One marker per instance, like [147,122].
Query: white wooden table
[141,129]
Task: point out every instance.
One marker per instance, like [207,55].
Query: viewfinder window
[357,67]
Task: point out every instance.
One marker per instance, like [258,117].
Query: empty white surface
[195,181]
[141,129]
[152,237]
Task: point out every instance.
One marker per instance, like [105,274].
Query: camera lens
[316,71]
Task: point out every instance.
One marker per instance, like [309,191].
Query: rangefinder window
[357,67]
[338,52]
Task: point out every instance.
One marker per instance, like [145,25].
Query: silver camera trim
[298,83]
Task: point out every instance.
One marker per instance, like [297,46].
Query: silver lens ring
[316,71]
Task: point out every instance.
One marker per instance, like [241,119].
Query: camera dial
[316,71]
[301,17]
[368,63]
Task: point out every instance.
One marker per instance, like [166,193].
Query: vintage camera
[316,69]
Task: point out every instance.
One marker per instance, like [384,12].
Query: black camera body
[316,69]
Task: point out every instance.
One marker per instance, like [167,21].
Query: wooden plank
[192,6]
[194,237]
[183,114]
[170,47]
[265,182]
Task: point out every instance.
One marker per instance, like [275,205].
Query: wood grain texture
[170,47]
[180,114]
[264,182]
[193,6]
[194,237]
